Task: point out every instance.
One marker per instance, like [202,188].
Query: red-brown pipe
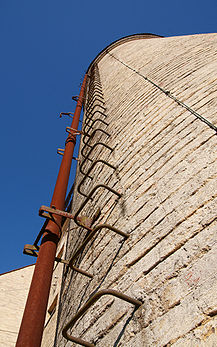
[32,325]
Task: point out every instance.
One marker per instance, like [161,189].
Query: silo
[144,198]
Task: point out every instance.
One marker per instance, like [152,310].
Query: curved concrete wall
[166,172]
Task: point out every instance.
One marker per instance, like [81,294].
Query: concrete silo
[144,199]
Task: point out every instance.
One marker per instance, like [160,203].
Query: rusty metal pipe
[32,325]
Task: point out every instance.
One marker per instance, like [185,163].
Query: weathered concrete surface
[166,172]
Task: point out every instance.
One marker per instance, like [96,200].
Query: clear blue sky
[46,47]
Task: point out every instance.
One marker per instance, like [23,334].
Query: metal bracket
[52,210]
[75,98]
[43,229]
[32,250]
[61,151]
[90,303]
[76,132]
[47,212]
[66,114]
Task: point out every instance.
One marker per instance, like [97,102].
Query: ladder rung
[33,251]
[95,297]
